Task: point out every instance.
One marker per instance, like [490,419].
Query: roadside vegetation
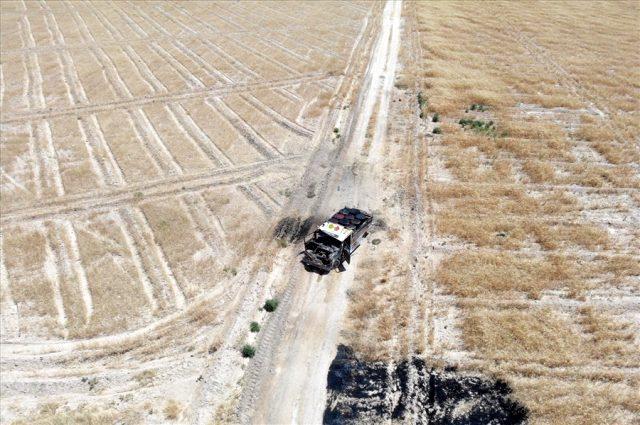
[248,351]
[271,305]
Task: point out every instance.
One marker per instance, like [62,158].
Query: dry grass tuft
[538,171]
[172,410]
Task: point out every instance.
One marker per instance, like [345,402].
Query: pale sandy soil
[147,152]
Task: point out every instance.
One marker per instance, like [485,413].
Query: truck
[335,241]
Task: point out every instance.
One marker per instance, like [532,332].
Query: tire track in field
[248,48]
[183,120]
[151,255]
[186,28]
[134,245]
[275,115]
[206,223]
[329,28]
[76,263]
[102,159]
[49,157]
[279,118]
[568,81]
[18,117]
[159,188]
[46,154]
[266,149]
[62,241]
[318,41]
[146,133]
[235,63]
[75,89]
[297,40]
[194,57]
[53,273]
[254,196]
[36,98]
[27,39]
[169,165]
[77,308]
[10,323]
[205,144]
[283,121]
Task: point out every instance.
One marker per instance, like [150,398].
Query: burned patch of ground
[293,229]
[373,392]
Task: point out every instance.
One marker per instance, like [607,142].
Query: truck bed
[351,218]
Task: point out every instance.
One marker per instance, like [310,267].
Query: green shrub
[422,102]
[437,130]
[478,125]
[436,117]
[231,270]
[271,305]
[248,351]
[255,327]
[478,107]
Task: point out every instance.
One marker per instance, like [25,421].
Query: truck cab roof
[335,230]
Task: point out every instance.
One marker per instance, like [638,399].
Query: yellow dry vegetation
[52,413]
[537,168]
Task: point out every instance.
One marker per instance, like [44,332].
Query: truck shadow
[315,270]
[294,229]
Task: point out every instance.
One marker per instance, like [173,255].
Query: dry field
[531,271]
[146,151]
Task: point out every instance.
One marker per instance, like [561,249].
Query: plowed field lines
[134,246]
[190,94]
[53,272]
[207,224]
[100,154]
[36,97]
[70,74]
[278,117]
[155,264]
[199,137]
[155,189]
[266,149]
[9,325]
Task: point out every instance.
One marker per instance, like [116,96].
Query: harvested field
[147,149]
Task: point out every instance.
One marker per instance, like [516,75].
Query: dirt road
[292,385]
